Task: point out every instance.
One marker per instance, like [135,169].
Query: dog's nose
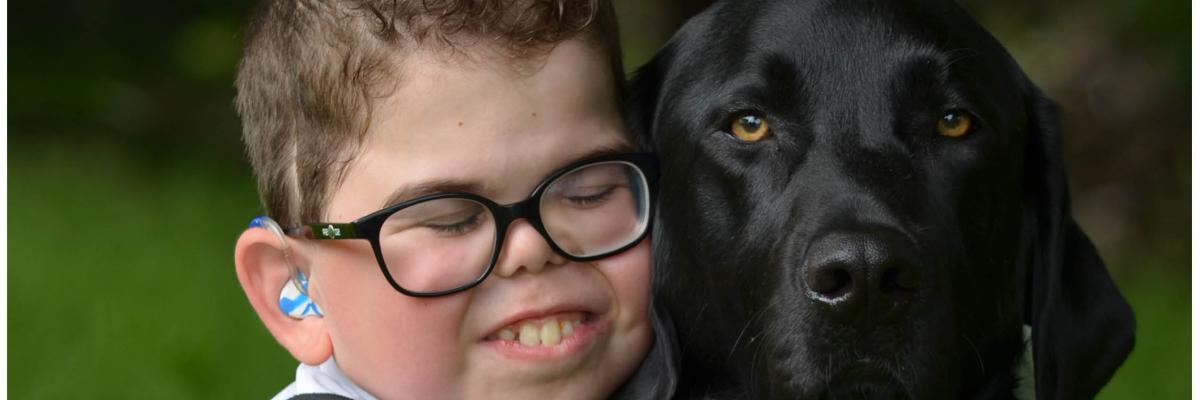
[868,277]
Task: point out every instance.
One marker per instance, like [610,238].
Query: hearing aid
[293,297]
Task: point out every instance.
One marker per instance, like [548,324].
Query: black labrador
[863,199]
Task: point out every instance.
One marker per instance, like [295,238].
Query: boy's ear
[263,270]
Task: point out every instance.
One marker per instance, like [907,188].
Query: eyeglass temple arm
[324,231]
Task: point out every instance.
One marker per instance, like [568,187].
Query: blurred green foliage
[127,186]
[121,282]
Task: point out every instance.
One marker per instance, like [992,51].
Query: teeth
[551,334]
[529,335]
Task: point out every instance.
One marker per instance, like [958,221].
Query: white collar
[324,378]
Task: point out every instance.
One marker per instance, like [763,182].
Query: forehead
[482,125]
[842,43]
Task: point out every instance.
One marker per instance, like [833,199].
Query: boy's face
[485,126]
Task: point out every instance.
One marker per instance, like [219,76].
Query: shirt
[323,378]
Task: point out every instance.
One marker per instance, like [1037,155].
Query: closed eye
[596,196]
[456,226]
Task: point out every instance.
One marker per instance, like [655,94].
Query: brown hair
[310,69]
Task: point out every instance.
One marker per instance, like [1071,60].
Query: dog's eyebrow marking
[955,55]
[940,59]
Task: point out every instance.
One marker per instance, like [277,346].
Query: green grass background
[121,282]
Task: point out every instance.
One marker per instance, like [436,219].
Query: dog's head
[864,197]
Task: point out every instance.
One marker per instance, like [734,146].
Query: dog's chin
[855,380]
[868,390]
[863,380]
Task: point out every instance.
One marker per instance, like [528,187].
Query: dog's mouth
[866,378]
[868,390]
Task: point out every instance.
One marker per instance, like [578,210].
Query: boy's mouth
[545,331]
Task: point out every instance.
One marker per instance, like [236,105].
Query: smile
[544,337]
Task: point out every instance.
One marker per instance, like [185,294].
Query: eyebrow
[407,192]
[419,189]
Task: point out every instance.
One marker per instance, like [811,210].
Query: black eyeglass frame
[368,226]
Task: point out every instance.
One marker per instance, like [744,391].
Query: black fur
[979,225]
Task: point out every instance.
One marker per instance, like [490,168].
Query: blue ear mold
[294,300]
[257,222]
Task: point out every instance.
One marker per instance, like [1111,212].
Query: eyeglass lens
[446,243]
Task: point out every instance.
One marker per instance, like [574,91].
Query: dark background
[127,185]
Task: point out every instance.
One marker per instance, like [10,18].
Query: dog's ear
[641,105]
[658,375]
[1082,327]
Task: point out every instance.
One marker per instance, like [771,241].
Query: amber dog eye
[749,127]
[955,123]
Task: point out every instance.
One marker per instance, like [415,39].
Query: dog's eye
[750,127]
[955,123]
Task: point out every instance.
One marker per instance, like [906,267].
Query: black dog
[866,199]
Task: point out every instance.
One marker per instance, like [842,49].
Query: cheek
[629,274]
[390,344]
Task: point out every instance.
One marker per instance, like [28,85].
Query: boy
[497,248]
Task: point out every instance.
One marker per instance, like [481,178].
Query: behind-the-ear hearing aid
[293,298]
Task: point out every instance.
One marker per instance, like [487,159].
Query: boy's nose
[524,248]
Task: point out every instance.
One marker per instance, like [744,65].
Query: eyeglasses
[444,243]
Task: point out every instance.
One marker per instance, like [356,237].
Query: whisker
[829,374]
[979,357]
[754,358]
[683,347]
[750,321]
